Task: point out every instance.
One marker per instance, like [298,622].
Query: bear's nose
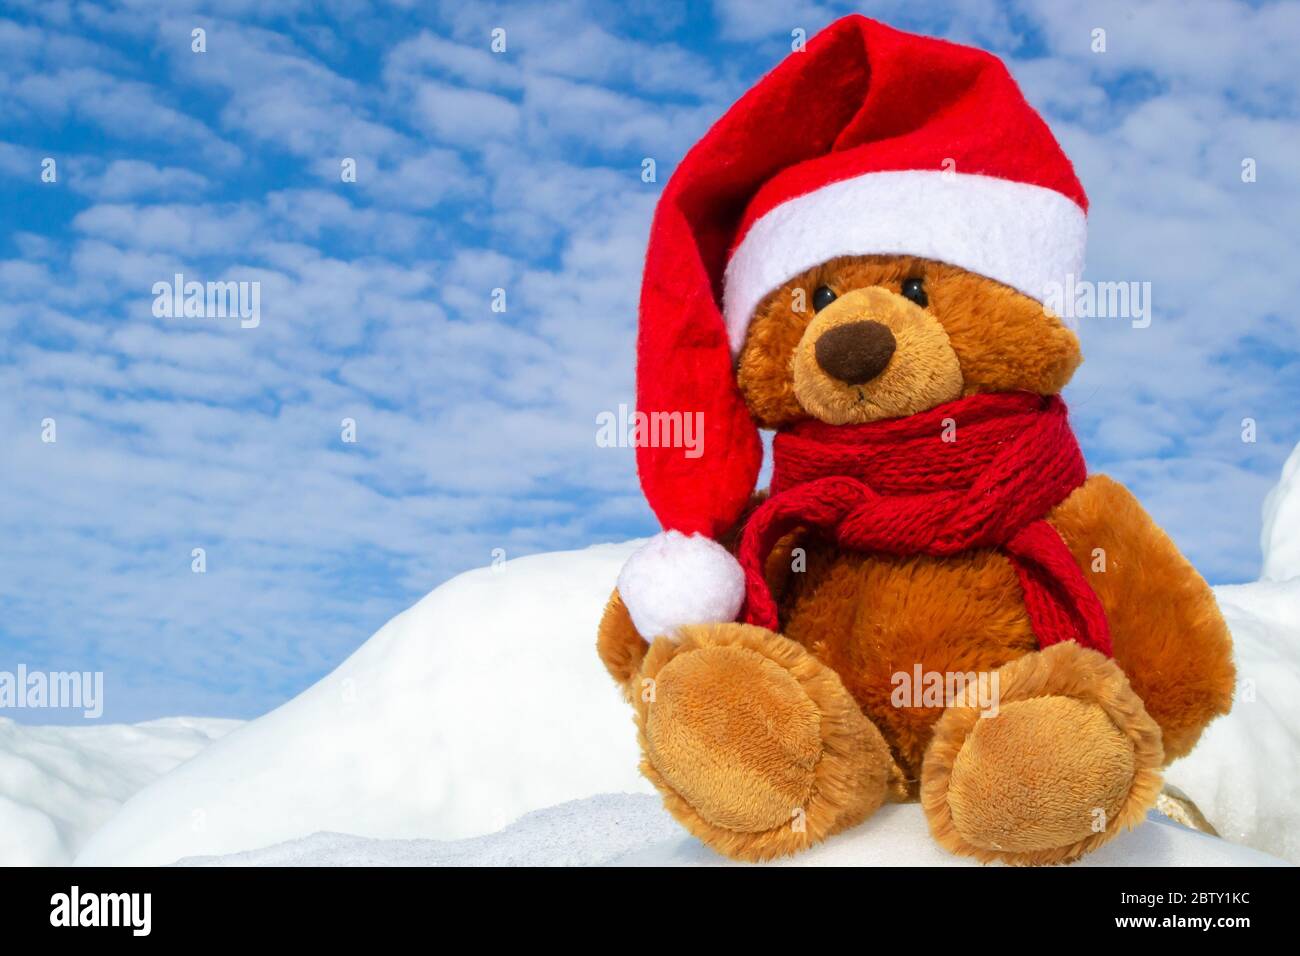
[855,352]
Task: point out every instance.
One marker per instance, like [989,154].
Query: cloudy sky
[520,171]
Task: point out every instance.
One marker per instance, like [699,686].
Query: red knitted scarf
[978,472]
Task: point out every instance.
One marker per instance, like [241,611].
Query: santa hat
[869,141]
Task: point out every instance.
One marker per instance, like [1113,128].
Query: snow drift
[59,784]
[1280,536]
[486,701]
[482,702]
[1244,774]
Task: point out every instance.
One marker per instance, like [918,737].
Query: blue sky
[518,171]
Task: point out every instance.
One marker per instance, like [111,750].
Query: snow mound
[1280,536]
[635,830]
[59,784]
[586,832]
[482,702]
[1244,774]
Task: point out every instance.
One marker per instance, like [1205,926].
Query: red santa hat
[869,141]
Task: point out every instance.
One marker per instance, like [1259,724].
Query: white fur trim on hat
[675,580]
[1027,237]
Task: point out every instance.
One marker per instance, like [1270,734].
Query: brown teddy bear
[935,600]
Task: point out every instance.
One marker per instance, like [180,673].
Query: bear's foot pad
[756,746]
[1068,760]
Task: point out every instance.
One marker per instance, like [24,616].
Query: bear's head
[871,232]
[864,338]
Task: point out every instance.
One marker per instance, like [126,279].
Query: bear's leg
[1070,759]
[755,745]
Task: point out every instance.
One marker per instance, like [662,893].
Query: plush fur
[755,744]
[923,371]
[1168,634]
[620,647]
[1003,340]
[1077,735]
[1071,760]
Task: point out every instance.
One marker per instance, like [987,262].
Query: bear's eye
[823,297]
[914,289]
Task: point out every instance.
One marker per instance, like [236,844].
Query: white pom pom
[675,580]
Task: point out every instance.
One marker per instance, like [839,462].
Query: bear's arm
[1166,629]
[620,647]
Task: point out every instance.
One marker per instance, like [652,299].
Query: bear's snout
[855,353]
[872,353]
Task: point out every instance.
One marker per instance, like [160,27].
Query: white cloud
[465,117]
[124,179]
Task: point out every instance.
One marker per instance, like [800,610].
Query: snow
[1280,535]
[635,830]
[59,784]
[1244,774]
[587,832]
[482,702]
[485,702]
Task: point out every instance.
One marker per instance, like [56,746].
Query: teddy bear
[934,600]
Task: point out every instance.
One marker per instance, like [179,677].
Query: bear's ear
[1005,341]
